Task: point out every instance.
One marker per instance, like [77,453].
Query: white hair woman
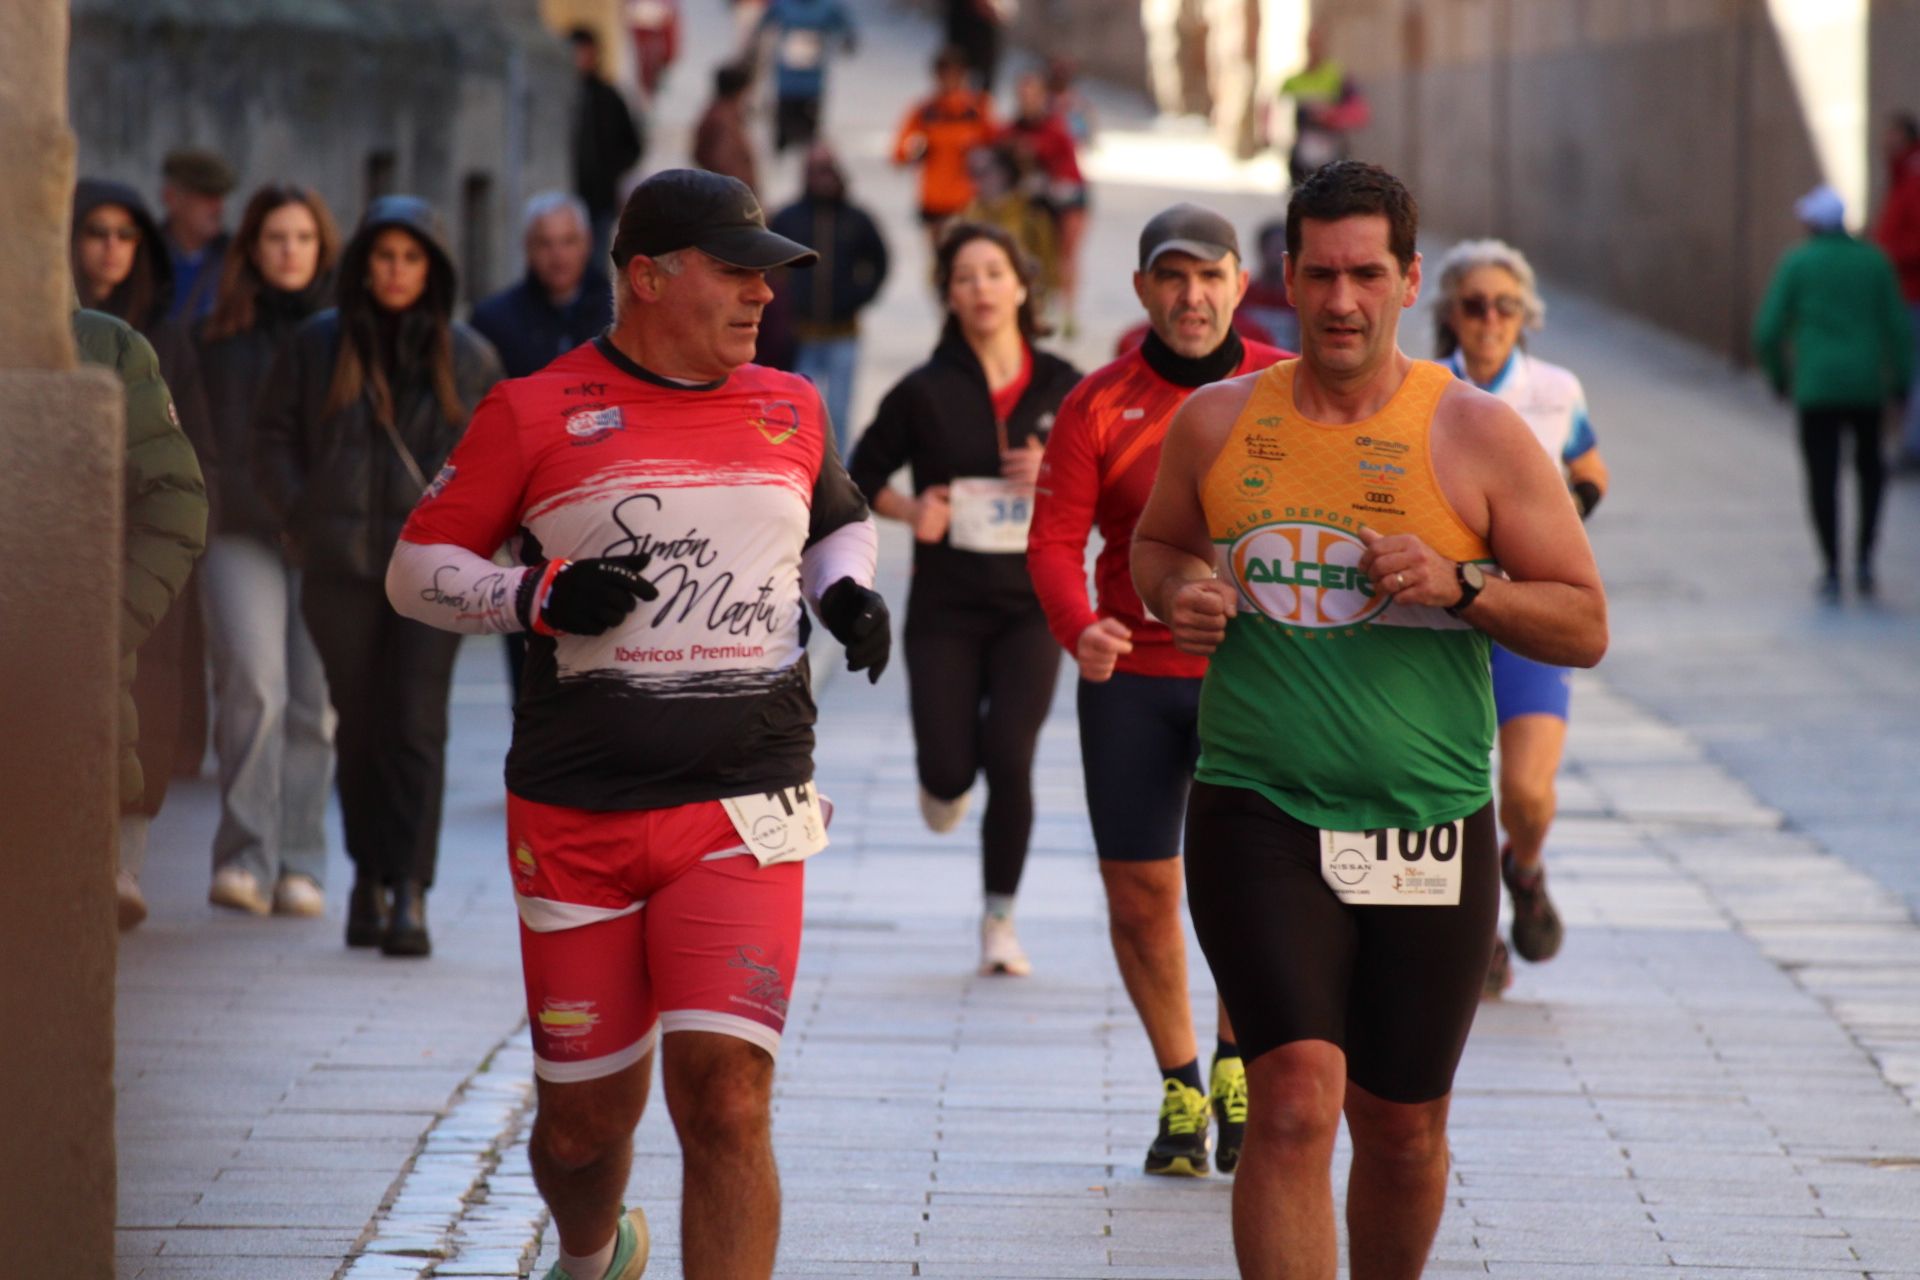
[1488,301]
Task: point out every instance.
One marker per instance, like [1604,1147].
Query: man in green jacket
[166,530]
[1834,333]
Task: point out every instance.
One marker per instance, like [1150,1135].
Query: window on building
[476,234]
[382,174]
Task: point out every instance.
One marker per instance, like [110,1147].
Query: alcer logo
[1305,575]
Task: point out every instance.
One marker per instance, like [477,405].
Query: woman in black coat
[121,267]
[360,412]
[971,423]
[272,725]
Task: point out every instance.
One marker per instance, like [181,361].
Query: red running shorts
[643,921]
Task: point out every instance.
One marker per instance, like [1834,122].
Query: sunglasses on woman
[1477,306]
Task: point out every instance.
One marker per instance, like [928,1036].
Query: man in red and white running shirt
[671,505]
[1139,698]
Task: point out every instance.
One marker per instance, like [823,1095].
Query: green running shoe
[629,1250]
[1229,1097]
[1180,1150]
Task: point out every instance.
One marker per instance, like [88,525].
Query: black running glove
[588,597]
[1586,496]
[858,619]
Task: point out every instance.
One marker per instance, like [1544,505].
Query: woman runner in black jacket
[272,727]
[360,412]
[971,423]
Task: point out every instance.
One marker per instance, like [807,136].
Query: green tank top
[1346,710]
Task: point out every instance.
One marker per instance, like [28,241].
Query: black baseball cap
[711,212]
[1188,228]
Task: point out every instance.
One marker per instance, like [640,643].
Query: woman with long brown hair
[272,727]
[362,408]
[981,665]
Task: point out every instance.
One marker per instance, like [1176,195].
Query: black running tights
[980,683]
[1820,433]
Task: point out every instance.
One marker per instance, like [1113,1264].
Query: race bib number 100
[1391,867]
[779,826]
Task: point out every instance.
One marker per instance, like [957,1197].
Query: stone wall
[465,102]
[1646,153]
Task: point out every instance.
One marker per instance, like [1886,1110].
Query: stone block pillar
[61,455]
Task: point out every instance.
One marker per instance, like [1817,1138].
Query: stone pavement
[1717,1078]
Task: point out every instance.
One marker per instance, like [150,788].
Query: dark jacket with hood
[939,420]
[166,509]
[338,481]
[234,372]
[171,340]
[529,332]
[828,297]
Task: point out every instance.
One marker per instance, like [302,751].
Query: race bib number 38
[1391,867]
[989,515]
[779,826]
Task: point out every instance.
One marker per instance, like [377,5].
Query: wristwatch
[1472,582]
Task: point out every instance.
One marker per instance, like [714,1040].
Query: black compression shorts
[1396,987]
[1139,739]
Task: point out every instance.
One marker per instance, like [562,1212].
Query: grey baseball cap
[1190,229]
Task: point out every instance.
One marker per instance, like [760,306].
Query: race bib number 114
[1392,867]
[780,826]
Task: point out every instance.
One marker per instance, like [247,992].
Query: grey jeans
[272,725]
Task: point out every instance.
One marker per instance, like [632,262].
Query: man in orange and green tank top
[1344,534]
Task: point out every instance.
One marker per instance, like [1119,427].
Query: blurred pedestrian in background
[1003,197]
[802,31]
[1066,101]
[121,267]
[654,26]
[1834,334]
[563,300]
[1266,299]
[826,298]
[1899,234]
[720,140]
[972,423]
[975,28]
[194,184]
[1486,302]
[1056,185]
[362,407]
[1327,106]
[166,522]
[606,140]
[272,724]
[938,133]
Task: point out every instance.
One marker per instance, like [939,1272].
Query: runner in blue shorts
[1487,301]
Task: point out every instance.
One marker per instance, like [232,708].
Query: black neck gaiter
[1193,371]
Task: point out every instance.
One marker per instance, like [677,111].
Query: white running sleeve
[851,551]
[450,587]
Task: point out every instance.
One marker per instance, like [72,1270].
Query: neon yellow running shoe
[1180,1149]
[630,1250]
[1229,1097]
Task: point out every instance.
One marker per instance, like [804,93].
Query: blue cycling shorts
[1523,687]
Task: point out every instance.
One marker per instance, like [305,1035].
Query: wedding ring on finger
[1399,581]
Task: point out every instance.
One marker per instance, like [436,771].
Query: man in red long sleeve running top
[1139,697]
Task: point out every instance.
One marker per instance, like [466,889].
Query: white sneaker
[237,890]
[298,895]
[943,816]
[1000,948]
[133,903]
